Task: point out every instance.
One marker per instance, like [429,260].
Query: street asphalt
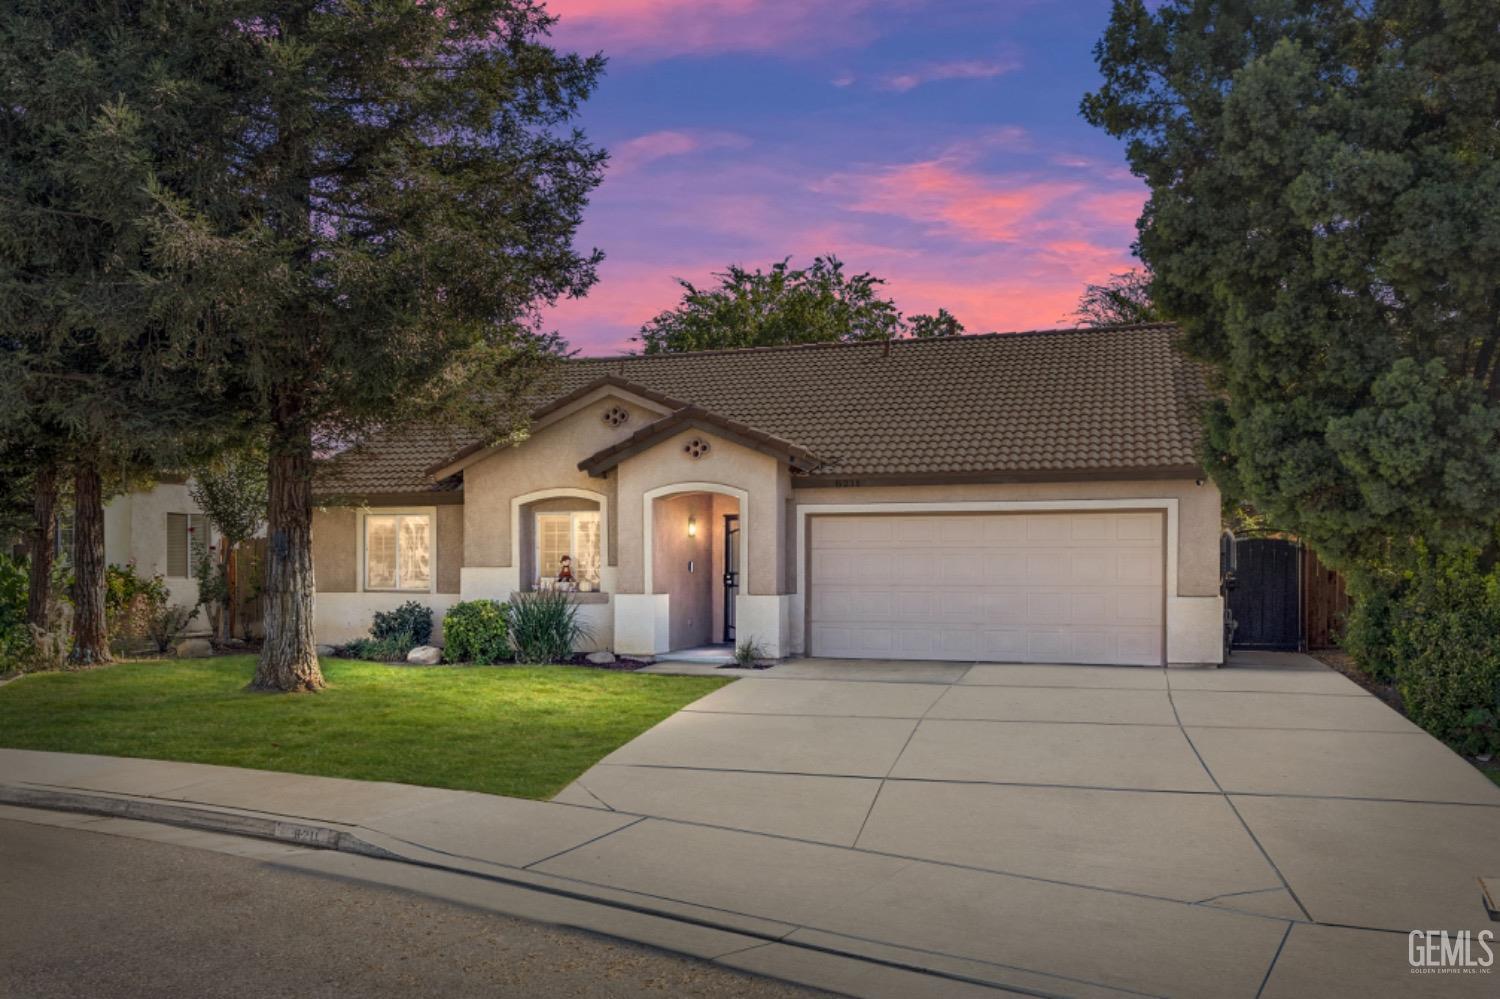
[92,915]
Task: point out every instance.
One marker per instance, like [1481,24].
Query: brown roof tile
[1103,401]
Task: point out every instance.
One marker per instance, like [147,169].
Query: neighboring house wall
[135,530]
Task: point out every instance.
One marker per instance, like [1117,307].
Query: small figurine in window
[565,575]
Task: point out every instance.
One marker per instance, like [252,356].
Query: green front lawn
[521,731]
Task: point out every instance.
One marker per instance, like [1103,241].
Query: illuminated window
[398,551]
[575,535]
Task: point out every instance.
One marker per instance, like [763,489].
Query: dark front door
[1266,599]
[731,571]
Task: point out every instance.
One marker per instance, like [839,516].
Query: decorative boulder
[425,655]
[600,658]
[193,648]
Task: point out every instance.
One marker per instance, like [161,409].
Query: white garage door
[1015,587]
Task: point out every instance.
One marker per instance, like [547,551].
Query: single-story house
[1027,497]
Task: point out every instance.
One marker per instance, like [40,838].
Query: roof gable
[690,417]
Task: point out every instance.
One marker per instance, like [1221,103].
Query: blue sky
[935,143]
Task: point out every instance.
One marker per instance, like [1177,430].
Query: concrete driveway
[1263,829]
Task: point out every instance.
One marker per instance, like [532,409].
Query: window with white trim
[398,551]
[187,543]
[575,535]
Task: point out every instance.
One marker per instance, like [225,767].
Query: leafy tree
[230,489]
[1123,299]
[81,388]
[387,193]
[923,327]
[1324,222]
[785,305]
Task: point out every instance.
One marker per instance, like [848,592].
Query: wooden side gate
[1266,599]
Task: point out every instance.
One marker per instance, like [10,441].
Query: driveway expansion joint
[1230,802]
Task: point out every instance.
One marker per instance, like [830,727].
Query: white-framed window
[187,543]
[398,551]
[575,535]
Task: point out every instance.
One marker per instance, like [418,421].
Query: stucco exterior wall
[135,530]
[764,481]
[547,460]
[1198,512]
[335,549]
[449,532]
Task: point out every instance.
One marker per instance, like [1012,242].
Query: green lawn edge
[522,731]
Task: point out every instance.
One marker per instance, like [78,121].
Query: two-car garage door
[1014,587]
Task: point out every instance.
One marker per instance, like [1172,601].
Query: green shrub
[167,625]
[749,653]
[14,635]
[475,632]
[544,626]
[391,649]
[1375,600]
[131,602]
[1446,644]
[411,619]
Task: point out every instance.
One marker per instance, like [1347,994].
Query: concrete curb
[325,837]
[207,820]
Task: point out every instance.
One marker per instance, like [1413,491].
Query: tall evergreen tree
[83,386]
[390,192]
[1324,222]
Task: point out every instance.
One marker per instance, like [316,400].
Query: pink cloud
[962,69]
[643,149]
[975,205]
[1000,250]
[1120,207]
[661,28]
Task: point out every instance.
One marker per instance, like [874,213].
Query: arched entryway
[696,553]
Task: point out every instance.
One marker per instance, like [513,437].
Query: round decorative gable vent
[615,415]
[695,448]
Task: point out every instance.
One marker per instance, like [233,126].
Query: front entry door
[731,571]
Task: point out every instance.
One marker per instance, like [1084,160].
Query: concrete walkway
[942,829]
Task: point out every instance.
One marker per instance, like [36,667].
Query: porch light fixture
[692,527]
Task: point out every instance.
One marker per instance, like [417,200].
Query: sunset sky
[935,143]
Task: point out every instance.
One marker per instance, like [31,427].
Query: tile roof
[396,462]
[1106,401]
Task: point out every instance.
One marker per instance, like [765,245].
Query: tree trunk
[43,546]
[288,656]
[231,591]
[90,630]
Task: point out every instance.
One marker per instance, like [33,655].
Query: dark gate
[1267,596]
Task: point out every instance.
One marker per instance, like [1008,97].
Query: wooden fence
[250,570]
[1325,603]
